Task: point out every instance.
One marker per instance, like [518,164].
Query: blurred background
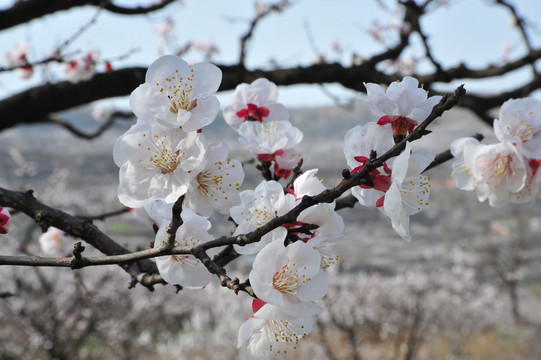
[467,287]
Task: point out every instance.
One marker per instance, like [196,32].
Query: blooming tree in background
[288,225]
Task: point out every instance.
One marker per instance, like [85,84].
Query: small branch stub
[78,248]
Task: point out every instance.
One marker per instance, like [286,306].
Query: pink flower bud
[5,220]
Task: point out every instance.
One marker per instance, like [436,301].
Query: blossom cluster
[399,189]
[18,57]
[75,69]
[81,68]
[263,125]
[165,155]
[290,268]
[505,172]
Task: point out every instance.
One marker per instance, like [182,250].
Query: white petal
[207,79]
[202,115]
[249,328]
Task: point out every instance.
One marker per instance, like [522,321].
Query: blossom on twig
[254,102]
[215,183]
[18,57]
[402,105]
[258,207]
[83,68]
[185,270]
[272,330]
[155,162]
[178,95]
[282,275]
[56,242]
[520,125]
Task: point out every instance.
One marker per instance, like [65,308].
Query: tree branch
[25,11]
[46,216]
[53,118]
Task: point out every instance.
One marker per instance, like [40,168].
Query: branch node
[460,91]
[41,219]
[242,240]
[78,248]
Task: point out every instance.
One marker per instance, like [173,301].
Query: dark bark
[23,12]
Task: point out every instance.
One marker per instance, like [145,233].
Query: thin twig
[53,118]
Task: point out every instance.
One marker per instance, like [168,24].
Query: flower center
[206,179]
[166,160]
[500,166]
[179,91]
[286,332]
[400,125]
[522,130]
[161,154]
[288,279]
[186,259]
[253,113]
[285,280]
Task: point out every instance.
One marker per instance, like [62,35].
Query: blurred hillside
[30,155]
[453,285]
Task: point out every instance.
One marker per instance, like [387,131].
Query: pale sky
[466,29]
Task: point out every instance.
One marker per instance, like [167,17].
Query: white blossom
[155,162]
[282,275]
[402,105]
[18,57]
[520,125]
[55,242]
[359,143]
[270,136]
[409,190]
[185,270]
[272,331]
[461,173]
[215,182]
[498,171]
[81,68]
[254,102]
[257,208]
[178,95]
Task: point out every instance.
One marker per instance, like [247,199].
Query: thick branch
[52,98]
[25,11]
[46,216]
